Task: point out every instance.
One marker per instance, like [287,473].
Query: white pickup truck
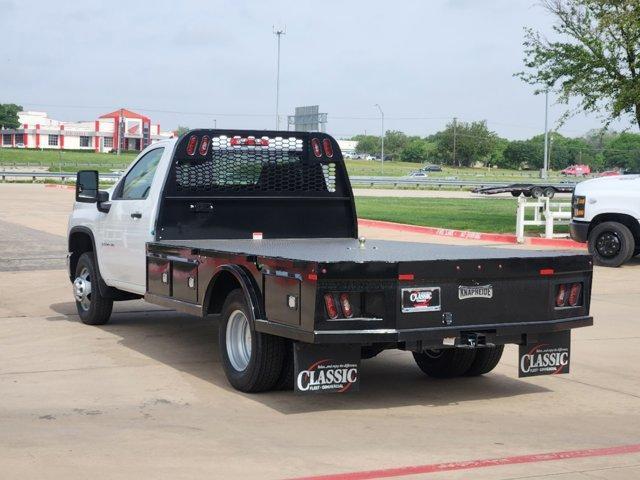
[260,229]
[606,214]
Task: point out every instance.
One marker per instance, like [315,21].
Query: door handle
[136,215]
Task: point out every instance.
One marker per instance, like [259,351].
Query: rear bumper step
[491,333]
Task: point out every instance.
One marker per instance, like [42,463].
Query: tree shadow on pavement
[392,379]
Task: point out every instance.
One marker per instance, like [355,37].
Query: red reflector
[405,276]
[191,146]
[328,148]
[574,294]
[330,304]
[547,271]
[312,276]
[204,145]
[346,305]
[315,145]
[249,142]
[561,296]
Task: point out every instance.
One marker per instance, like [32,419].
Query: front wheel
[611,244]
[445,363]
[93,308]
[252,361]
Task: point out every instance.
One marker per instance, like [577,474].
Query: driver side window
[137,183]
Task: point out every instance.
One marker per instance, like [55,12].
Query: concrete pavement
[145,395]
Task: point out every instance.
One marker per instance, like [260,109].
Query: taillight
[191,146]
[561,295]
[568,295]
[204,145]
[574,294]
[330,305]
[315,145]
[328,148]
[346,305]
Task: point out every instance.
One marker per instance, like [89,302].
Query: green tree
[596,60]
[394,143]
[473,142]
[417,150]
[522,153]
[181,130]
[369,144]
[623,152]
[9,115]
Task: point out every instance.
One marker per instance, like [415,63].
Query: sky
[190,63]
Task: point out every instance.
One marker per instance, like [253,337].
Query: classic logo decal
[327,375]
[543,359]
[550,355]
[421,299]
[475,291]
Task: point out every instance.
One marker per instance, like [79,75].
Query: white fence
[545,213]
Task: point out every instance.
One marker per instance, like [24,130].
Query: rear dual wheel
[252,361]
[456,362]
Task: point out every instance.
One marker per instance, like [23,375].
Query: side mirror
[87,186]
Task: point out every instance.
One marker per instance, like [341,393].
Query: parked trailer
[535,190]
[260,229]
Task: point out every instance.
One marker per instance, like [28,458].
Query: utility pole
[545,167]
[120,133]
[215,123]
[455,133]
[278,32]
[381,135]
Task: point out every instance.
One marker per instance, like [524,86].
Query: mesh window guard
[255,165]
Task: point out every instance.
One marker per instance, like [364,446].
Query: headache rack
[237,183]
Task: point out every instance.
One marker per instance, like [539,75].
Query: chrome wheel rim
[238,340]
[82,289]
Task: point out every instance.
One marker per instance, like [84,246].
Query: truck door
[129,225]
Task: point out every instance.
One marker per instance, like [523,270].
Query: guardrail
[356,181]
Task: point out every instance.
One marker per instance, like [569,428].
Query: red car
[577,170]
[610,173]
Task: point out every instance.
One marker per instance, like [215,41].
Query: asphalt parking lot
[145,395]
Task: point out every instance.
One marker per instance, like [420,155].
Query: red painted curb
[474,464]
[489,237]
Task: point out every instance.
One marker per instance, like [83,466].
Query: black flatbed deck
[335,250]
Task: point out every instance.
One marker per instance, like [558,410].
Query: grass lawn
[62,160]
[495,215]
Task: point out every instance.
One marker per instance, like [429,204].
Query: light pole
[215,123]
[545,163]
[382,134]
[278,32]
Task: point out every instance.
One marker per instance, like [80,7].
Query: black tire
[549,192]
[445,363]
[285,380]
[486,360]
[611,244]
[537,192]
[94,309]
[515,194]
[267,354]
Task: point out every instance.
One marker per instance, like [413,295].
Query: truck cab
[606,215]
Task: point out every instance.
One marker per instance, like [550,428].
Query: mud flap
[326,368]
[549,355]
